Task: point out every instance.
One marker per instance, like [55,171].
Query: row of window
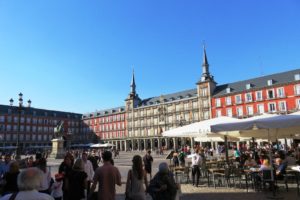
[270,107]
[107,119]
[29,120]
[113,135]
[40,129]
[25,137]
[248,97]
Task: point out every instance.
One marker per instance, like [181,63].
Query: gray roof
[257,83]
[39,112]
[105,112]
[169,97]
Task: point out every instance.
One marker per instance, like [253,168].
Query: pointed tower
[205,88]
[133,99]
[132,85]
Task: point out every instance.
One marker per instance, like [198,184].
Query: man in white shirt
[196,162]
[88,169]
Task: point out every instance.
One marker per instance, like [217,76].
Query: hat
[59,176]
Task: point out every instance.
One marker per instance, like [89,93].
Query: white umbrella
[197,129]
[278,126]
[208,138]
[102,145]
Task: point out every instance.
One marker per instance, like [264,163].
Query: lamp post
[20,108]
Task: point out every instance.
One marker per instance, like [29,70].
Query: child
[56,188]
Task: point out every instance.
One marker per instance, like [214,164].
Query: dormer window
[297,77]
[270,82]
[248,86]
[228,90]
[179,97]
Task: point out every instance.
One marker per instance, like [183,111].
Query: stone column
[159,143]
[192,142]
[145,145]
[151,144]
[175,145]
[138,144]
[125,145]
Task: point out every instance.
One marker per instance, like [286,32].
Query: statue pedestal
[58,151]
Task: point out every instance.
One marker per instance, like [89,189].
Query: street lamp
[20,108]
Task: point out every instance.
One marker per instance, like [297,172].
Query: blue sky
[78,56]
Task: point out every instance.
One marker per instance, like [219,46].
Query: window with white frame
[280,92]
[229,112]
[259,96]
[272,107]
[195,104]
[206,115]
[205,103]
[238,99]
[228,101]
[248,97]
[282,106]
[218,113]
[250,110]
[260,108]
[270,94]
[196,116]
[239,111]
[218,102]
[297,89]
[204,92]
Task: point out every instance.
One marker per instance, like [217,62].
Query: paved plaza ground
[189,192]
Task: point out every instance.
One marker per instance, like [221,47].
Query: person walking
[88,169]
[163,185]
[10,178]
[136,178]
[77,181]
[148,160]
[196,162]
[107,176]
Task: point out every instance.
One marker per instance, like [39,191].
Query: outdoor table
[250,174]
[214,172]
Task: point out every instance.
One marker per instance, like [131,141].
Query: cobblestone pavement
[189,192]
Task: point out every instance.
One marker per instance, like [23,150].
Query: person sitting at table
[250,162]
[265,165]
[280,170]
[290,159]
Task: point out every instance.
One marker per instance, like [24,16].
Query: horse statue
[59,130]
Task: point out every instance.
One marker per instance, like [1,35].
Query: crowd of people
[78,176]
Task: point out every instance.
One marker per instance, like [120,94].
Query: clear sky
[78,55]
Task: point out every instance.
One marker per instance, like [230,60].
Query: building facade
[139,123]
[31,128]
[144,120]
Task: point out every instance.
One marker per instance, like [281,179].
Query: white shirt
[57,189]
[196,159]
[46,179]
[89,170]
[29,195]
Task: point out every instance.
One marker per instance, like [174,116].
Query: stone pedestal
[58,151]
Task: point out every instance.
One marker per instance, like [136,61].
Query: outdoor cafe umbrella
[197,129]
[277,126]
[105,145]
[215,138]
